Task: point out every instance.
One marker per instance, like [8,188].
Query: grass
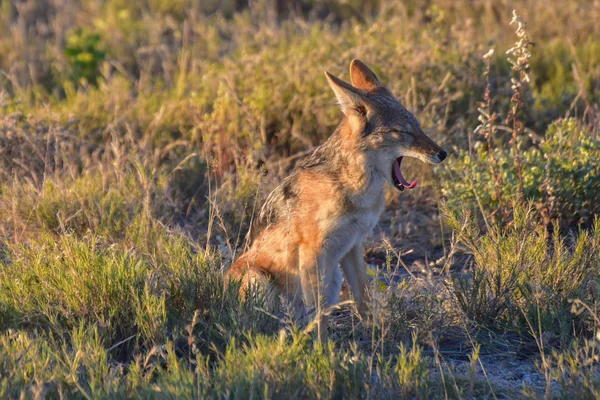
[138,140]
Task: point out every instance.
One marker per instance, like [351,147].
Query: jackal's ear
[362,77]
[348,97]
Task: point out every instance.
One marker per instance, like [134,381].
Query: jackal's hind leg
[252,281]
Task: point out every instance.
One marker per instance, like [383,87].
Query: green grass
[138,139]
[522,280]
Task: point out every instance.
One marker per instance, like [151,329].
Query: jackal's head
[380,125]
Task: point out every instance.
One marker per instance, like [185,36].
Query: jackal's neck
[351,162]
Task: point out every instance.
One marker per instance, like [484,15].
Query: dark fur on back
[280,201]
[276,206]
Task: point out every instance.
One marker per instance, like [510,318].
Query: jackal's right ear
[362,77]
[348,97]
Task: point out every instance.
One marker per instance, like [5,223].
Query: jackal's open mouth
[399,182]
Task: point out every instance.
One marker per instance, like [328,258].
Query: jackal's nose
[442,155]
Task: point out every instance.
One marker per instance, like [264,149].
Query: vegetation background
[137,140]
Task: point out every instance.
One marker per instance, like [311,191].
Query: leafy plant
[564,163]
[85,55]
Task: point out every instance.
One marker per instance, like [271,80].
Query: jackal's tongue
[397,174]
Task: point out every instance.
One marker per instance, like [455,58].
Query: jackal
[317,219]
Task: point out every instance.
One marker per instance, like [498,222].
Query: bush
[84,54]
[521,281]
[561,174]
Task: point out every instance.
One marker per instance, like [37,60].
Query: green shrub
[575,370]
[521,281]
[561,173]
[406,374]
[84,54]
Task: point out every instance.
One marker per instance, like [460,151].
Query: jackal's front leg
[355,272]
[321,282]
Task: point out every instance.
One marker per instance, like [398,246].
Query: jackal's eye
[392,132]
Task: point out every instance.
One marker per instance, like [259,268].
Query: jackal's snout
[428,150]
[434,154]
[439,156]
[442,155]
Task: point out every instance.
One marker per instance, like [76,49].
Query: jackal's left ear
[362,77]
[349,97]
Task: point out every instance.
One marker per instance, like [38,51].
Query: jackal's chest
[354,226]
[362,221]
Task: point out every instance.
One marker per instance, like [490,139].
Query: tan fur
[318,218]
